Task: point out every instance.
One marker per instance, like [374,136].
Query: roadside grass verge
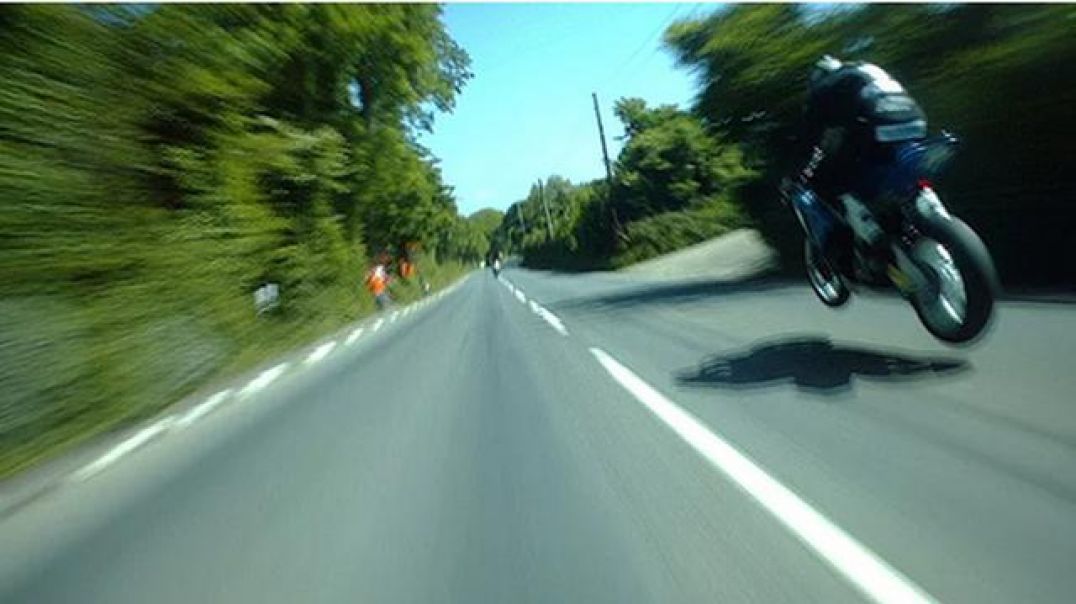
[73,368]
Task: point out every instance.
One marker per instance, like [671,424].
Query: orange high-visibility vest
[376,281]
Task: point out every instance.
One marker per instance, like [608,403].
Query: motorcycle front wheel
[826,282]
[956,302]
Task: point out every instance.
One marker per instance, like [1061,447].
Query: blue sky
[528,113]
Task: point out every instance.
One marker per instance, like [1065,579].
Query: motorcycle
[896,232]
[496,268]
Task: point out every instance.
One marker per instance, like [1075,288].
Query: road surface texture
[597,438]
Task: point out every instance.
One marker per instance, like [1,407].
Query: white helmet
[822,68]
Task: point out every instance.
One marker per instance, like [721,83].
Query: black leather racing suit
[856,115]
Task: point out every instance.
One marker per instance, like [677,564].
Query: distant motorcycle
[496,268]
[914,244]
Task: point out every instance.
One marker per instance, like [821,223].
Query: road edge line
[864,569]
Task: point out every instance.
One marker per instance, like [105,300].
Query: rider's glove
[807,173]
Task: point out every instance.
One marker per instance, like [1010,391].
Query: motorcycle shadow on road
[814,364]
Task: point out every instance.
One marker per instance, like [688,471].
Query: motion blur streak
[160,164]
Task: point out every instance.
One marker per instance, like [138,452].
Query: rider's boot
[862,222]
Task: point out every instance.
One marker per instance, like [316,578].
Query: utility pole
[608,171]
[548,220]
[601,134]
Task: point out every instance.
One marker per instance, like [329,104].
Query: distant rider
[856,115]
[495,258]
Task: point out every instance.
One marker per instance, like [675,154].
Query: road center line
[862,567]
[553,320]
[377,325]
[520,296]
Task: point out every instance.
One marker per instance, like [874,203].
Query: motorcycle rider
[495,258]
[856,117]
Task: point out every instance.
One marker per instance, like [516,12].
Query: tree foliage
[673,185]
[670,163]
[488,220]
[159,163]
[999,76]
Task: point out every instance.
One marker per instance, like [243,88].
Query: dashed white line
[208,405]
[862,567]
[553,320]
[320,353]
[264,379]
[534,307]
[258,383]
[520,296]
[142,437]
[353,336]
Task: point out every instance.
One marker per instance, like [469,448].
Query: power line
[646,42]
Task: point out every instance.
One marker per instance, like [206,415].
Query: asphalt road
[599,438]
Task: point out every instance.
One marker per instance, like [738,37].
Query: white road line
[552,319]
[862,567]
[353,336]
[377,325]
[320,353]
[392,317]
[205,407]
[520,296]
[142,437]
[264,379]
[534,307]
